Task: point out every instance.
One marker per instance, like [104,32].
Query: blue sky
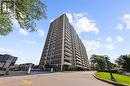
[103,26]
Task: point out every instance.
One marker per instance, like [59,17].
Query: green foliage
[124,62]
[119,78]
[99,61]
[26,12]
[5,25]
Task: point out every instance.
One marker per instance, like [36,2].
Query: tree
[124,62]
[99,61]
[26,12]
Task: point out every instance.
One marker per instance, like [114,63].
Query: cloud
[109,46]
[109,39]
[99,38]
[97,47]
[82,23]
[125,22]
[4,51]
[41,33]
[119,39]
[23,32]
[120,26]
[29,42]
[69,15]
[92,44]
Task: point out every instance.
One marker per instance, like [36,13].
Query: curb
[110,82]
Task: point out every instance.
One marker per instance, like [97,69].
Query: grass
[119,78]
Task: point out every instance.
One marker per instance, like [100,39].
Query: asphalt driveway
[54,79]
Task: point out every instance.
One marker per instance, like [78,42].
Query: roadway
[54,79]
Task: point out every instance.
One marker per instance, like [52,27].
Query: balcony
[68,46]
[67,63]
[68,54]
[68,50]
[68,58]
[78,59]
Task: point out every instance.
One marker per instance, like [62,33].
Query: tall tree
[124,62]
[99,61]
[26,12]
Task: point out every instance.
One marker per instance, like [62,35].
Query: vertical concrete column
[63,35]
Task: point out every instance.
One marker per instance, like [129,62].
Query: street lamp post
[108,64]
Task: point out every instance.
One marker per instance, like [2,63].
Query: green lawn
[119,78]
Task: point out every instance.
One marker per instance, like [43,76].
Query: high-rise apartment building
[63,48]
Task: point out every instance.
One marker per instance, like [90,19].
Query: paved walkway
[54,79]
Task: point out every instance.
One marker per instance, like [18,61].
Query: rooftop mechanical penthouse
[63,49]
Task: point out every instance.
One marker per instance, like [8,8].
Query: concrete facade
[6,61]
[63,48]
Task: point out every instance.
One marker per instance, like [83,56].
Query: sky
[102,25]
